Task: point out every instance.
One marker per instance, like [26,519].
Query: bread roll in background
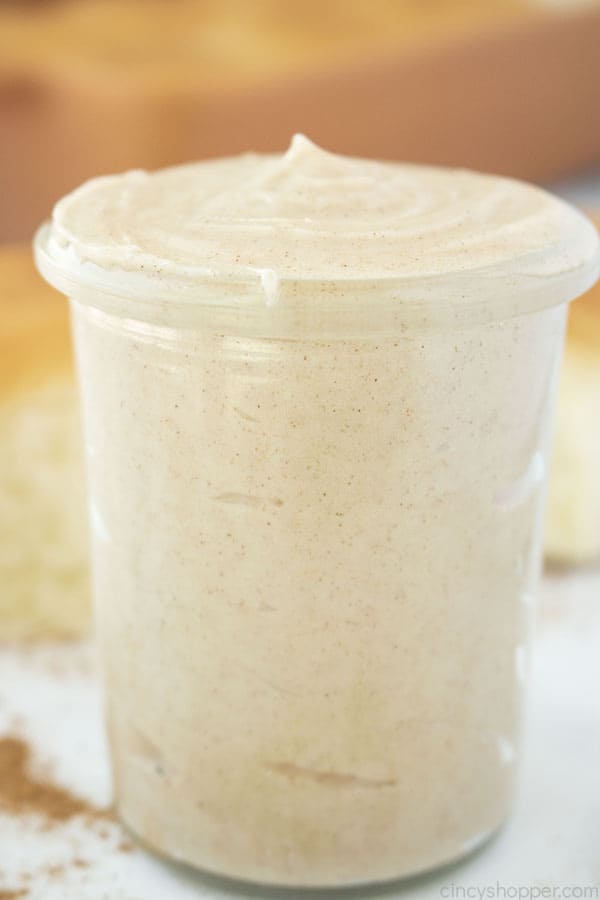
[573,512]
[43,530]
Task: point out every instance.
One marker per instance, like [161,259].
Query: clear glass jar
[316,542]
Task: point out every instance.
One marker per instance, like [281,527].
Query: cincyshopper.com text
[499,891]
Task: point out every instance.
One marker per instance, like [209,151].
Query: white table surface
[50,696]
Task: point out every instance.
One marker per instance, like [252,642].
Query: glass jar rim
[289,305]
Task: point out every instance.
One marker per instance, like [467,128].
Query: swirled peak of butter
[308,214]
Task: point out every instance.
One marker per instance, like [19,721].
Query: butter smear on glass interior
[317,396]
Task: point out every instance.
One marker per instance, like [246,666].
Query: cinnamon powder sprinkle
[21,793]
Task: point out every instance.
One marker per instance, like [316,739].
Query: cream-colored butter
[313,215]
[314,533]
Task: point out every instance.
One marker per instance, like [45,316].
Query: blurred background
[96,86]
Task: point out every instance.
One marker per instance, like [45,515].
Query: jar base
[254,888]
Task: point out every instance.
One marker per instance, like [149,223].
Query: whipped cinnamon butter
[312,215]
[317,394]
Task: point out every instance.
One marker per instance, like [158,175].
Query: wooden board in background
[94,86]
